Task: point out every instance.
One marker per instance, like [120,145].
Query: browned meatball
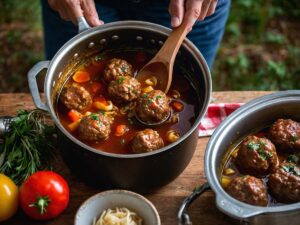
[257,156]
[94,127]
[76,97]
[153,106]
[284,183]
[285,133]
[116,68]
[248,189]
[146,141]
[124,89]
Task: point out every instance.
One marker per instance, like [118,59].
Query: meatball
[76,97]
[153,107]
[284,183]
[285,133]
[257,156]
[94,127]
[124,89]
[116,68]
[248,189]
[146,141]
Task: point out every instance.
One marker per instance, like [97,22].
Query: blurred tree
[21,42]
[261,47]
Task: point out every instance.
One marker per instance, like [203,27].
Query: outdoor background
[260,50]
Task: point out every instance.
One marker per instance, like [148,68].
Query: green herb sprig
[28,146]
[121,80]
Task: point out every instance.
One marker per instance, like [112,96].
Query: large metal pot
[258,113]
[140,171]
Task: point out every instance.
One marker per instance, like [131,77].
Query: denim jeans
[206,35]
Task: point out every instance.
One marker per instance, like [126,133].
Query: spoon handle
[171,46]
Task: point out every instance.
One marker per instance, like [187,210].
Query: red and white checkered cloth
[216,113]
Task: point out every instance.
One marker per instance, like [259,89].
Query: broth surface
[122,144]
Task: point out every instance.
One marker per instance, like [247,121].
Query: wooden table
[167,199]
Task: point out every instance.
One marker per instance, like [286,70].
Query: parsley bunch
[28,146]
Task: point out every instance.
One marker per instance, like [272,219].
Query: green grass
[261,47]
[28,11]
[260,50]
[21,40]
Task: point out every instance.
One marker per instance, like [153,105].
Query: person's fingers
[67,9]
[212,8]
[192,12]
[63,11]
[205,6]
[176,10]
[74,8]
[68,12]
[59,7]
[90,13]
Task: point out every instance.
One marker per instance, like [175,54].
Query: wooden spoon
[161,65]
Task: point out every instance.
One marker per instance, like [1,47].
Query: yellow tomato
[8,198]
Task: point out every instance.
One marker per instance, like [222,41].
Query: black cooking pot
[139,171]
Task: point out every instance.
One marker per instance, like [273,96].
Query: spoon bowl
[152,124]
[161,65]
[159,70]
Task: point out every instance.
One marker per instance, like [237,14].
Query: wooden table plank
[166,199]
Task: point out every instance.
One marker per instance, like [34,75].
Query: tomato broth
[122,144]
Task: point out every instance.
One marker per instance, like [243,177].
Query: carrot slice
[73,126]
[121,129]
[96,87]
[177,106]
[81,76]
[74,115]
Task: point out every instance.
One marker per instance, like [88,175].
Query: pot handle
[82,24]
[4,125]
[235,210]
[33,72]
[183,213]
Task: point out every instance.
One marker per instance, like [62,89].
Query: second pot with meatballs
[262,156]
[252,163]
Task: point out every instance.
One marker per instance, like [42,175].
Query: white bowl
[95,205]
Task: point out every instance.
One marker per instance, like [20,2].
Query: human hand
[190,11]
[70,10]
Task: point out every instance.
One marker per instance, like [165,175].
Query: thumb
[176,10]
[90,13]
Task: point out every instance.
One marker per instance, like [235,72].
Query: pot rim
[143,26]
[224,201]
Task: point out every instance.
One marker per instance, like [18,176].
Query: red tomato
[44,195]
